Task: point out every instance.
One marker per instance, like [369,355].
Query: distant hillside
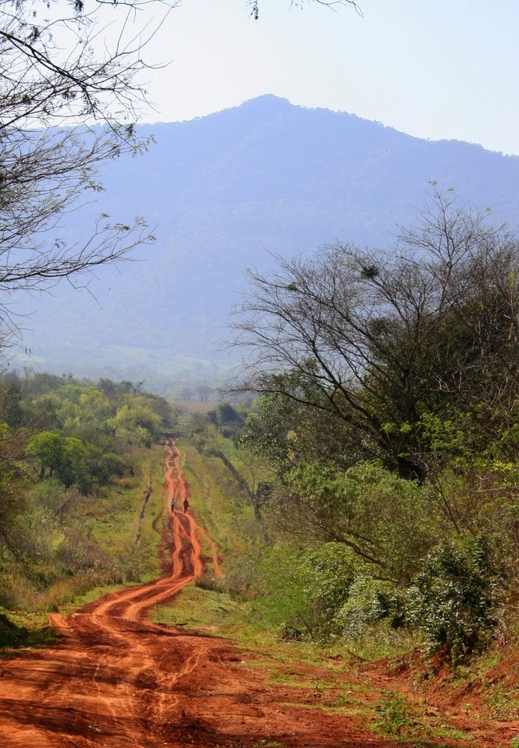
[223,191]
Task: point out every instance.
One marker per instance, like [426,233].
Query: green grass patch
[214,493]
[23,630]
[205,611]
[120,518]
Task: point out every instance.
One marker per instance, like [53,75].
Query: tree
[136,423]
[61,456]
[13,496]
[204,392]
[377,341]
[186,394]
[47,449]
[10,402]
[386,521]
[254,5]
[69,95]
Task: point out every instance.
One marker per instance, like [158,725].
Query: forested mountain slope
[222,192]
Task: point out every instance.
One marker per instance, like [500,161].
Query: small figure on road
[185,504]
[172,503]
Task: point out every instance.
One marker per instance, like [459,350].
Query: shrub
[364,605]
[50,494]
[393,714]
[330,572]
[452,599]
[305,590]
[390,522]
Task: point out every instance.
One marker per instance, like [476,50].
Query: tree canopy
[389,411]
[382,344]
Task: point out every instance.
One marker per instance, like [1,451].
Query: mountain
[224,192]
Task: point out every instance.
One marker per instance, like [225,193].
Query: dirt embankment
[116,680]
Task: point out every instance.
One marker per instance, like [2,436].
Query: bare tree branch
[70,92]
[378,338]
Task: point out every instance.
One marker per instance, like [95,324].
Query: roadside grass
[383,641]
[213,497]
[23,631]
[502,701]
[120,546]
[394,716]
[203,611]
[114,517]
[494,675]
[336,686]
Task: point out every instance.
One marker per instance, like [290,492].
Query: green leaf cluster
[386,521]
[453,598]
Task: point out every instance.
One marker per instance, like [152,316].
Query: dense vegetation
[387,417]
[374,479]
[72,456]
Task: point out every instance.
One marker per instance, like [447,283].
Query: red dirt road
[114,679]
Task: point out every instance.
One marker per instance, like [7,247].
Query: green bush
[363,605]
[330,572]
[393,714]
[280,603]
[453,598]
[305,591]
[388,521]
[49,493]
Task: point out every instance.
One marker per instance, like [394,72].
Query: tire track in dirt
[98,685]
[114,679]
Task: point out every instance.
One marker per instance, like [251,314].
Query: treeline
[388,414]
[64,446]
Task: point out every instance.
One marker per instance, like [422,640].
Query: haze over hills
[224,191]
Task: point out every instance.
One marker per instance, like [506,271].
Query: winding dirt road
[114,679]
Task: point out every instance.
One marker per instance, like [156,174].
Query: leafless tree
[70,92]
[254,5]
[376,339]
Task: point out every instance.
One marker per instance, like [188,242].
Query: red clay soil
[114,679]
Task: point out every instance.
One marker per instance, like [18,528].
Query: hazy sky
[431,68]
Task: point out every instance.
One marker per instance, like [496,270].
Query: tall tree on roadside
[377,341]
